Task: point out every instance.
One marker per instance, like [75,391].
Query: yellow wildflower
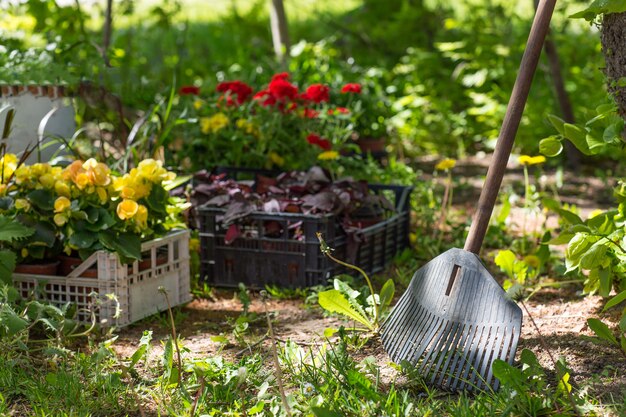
[532,260]
[61,204]
[194,244]
[328,155]
[248,127]
[127,209]
[3,189]
[445,164]
[24,252]
[531,160]
[214,123]
[197,104]
[276,159]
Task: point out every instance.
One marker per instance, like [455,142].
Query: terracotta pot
[40,268]
[69,263]
[146,263]
[375,146]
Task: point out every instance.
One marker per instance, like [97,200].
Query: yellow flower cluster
[248,127]
[87,177]
[8,165]
[214,123]
[37,176]
[136,185]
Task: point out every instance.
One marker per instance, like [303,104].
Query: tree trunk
[280,32]
[614,50]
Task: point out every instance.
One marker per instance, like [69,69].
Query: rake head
[453,321]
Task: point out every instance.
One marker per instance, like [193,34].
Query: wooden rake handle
[511,121]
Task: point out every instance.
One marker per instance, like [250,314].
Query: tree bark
[280,30]
[614,49]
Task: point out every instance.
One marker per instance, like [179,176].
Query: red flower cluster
[235,88]
[314,139]
[317,93]
[351,88]
[187,90]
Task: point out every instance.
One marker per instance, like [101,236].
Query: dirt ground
[560,314]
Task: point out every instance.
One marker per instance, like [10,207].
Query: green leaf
[329,332]
[335,302]
[219,339]
[11,229]
[593,257]
[602,330]
[7,265]
[386,295]
[508,375]
[599,7]
[144,343]
[126,245]
[578,136]
[11,321]
[578,245]
[568,216]
[83,239]
[550,146]
[613,132]
[561,239]
[324,412]
[558,123]
[42,199]
[615,300]
[604,276]
[157,200]
[505,259]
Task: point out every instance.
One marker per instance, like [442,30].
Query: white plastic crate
[135,286]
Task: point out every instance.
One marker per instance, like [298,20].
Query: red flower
[351,88]
[314,139]
[187,90]
[242,90]
[280,76]
[317,93]
[282,89]
[310,113]
[338,110]
[266,96]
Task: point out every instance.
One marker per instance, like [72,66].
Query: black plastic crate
[282,248]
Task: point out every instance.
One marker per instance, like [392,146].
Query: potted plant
[86,207]
[371,110]
[278,126]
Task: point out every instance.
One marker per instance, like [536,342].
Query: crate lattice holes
[283,249]
[135,286]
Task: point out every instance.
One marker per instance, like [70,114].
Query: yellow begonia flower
[60,219]
[22,204]
[8,164]
[102,194]
[445,164]
[328,155]
[61,204]
[214,123]
[61,188]
[47,180]
[276,159]
[194,244]
[127,209]
[531,160]
[142,214]
[24,252]
[3,189]
[197,104]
